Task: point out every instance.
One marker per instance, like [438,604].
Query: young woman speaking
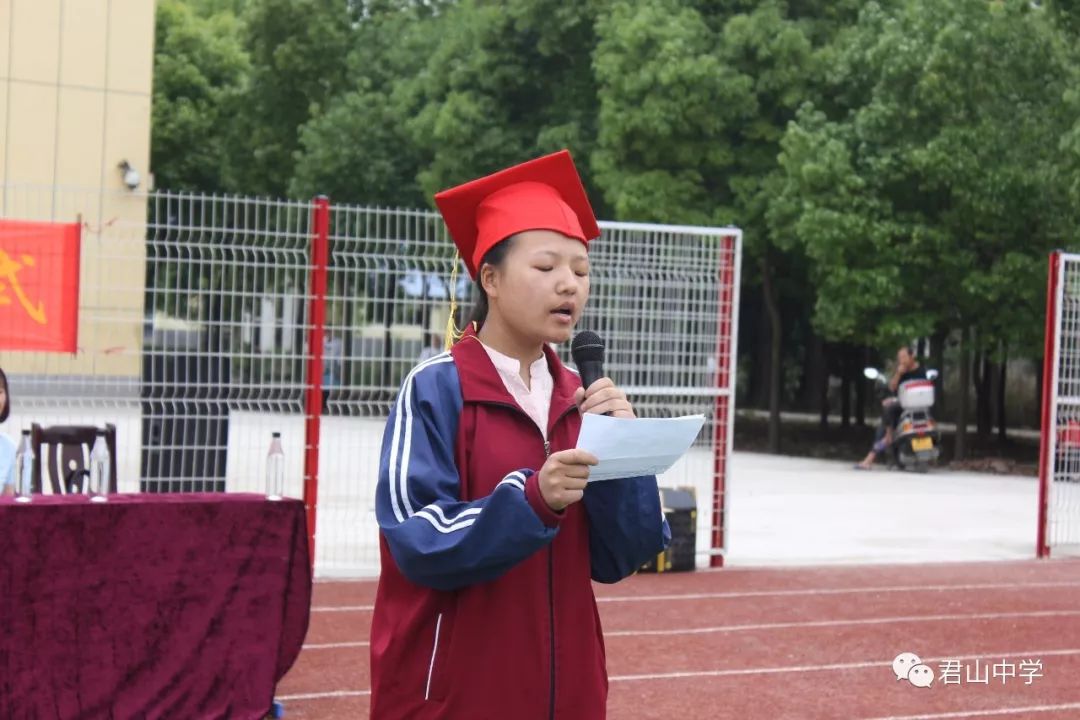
[490,534]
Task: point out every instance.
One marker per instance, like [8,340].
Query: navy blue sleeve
[626,526]
[436,539]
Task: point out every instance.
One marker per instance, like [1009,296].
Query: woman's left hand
[603,397]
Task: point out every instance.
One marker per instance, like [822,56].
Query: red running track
[805,643]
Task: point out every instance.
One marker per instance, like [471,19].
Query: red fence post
[1046,463]
[725,401]
[320,259]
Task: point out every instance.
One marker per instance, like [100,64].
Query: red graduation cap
[541,194]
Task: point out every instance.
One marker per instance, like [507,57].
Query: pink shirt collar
[534,400]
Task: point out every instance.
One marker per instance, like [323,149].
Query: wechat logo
[908,666]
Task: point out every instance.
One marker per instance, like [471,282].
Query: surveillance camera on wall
[131,175]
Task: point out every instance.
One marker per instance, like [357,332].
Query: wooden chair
[67,460]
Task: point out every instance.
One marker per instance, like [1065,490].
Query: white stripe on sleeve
[399,492]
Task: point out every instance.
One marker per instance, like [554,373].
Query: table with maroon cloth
[149,606]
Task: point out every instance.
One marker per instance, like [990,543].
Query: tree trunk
[389,289]
[772,306]
[845,388]
[860,387]
[983,384]
[962,402]
[812,375]
[1038,392]
[759,371]
[823,384]
[347,337]
[993,372]
[824,399]
[937,357]
[1002,420]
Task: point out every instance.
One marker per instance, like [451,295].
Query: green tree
[935,194]
[503,83]
[199,71]
[209,8]
[667,104]
[694,99]
[299,51]
[360,149]
[444,93]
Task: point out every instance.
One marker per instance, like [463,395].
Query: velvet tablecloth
[148,606]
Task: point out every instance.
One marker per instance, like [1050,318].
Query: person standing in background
[432,347]
[7,446]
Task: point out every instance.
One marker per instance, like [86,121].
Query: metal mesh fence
[100,382]
[195,340]
[663,298]
[1061,486]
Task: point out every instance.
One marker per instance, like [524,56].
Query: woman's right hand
[564,476]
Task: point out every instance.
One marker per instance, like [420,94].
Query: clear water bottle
[24,468]
[275,469]
[99,469]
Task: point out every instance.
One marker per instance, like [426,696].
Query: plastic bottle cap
[277,434]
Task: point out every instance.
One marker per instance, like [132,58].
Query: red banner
[39,286]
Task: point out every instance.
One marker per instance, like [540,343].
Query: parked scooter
[916,440]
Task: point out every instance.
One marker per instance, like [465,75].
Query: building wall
[75,93]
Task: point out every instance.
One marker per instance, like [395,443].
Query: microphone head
[587,346]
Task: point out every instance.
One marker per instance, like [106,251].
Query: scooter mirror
[870,373]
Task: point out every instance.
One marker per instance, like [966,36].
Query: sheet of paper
[629,447]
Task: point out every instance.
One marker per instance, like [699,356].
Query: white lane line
[884,664]
[374,580]
[323,695]
[783,593]
[834,623]
[334,646]
[792,625]
[838,591]
[985,713]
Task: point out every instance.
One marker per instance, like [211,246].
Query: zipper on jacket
[551,605]
[434,650]
[551,615]
[519,411]
[551,561]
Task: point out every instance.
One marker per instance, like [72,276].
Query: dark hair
[494,257]
[6,410]
[908,348]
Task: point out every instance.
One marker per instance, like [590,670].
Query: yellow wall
[75,90]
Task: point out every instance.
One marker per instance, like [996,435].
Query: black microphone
[587,350]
